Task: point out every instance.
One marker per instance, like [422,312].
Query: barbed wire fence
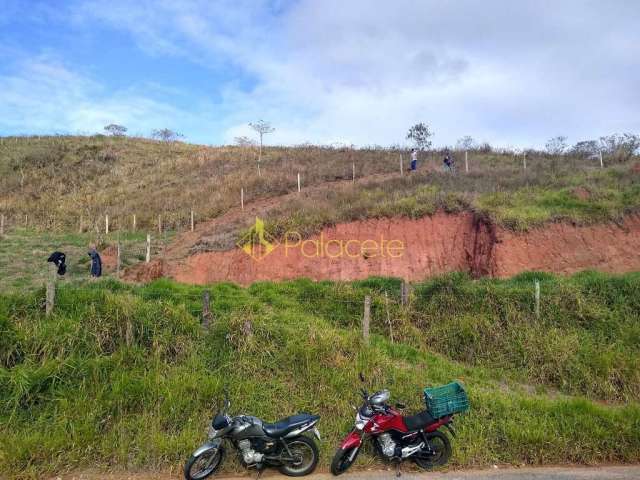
[376,312]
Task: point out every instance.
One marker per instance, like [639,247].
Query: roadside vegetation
[125,377]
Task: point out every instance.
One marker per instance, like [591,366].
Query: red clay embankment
[432,245]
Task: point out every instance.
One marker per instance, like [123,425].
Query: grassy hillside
[125,377]
[70,183]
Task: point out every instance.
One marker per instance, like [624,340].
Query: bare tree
[556,145]
[245,143]
[166,135]
[420,135]
[262,128]
[466,143]
[585,148]
[115,130]
[620,147]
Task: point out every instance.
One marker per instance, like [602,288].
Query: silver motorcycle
[282,444]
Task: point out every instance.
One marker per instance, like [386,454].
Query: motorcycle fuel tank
[247,427]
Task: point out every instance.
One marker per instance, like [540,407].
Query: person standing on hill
[448,163]
[96,262]
[414,160]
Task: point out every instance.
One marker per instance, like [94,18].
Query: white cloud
[362,71]
[42,95]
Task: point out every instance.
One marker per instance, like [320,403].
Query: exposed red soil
[433,245]
[109,257]
[564,248]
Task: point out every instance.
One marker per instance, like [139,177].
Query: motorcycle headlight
[212,432]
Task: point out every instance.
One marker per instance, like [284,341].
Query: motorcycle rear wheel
[342,461]
[307,452]
[441,446]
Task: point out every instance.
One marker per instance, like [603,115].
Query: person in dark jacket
[58,259]
[96,262]
[448,162]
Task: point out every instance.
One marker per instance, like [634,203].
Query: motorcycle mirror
[226,403]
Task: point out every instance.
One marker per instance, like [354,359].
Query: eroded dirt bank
[431,245]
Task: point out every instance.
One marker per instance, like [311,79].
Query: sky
[511,73]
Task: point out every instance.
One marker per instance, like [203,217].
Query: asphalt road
[547,473]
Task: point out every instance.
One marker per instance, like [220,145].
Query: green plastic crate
[446,400]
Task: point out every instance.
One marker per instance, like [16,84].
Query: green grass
[125,377]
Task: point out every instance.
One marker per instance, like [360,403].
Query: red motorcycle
[396,437]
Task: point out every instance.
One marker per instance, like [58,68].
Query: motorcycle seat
[289,424]
[419,421]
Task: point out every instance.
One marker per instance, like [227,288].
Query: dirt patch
[109,257]
[431,245]
[581,193]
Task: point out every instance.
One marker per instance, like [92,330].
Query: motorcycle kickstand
[398,472]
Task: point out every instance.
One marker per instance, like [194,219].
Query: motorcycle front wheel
[343,459]
[306,455]
[203,465]
[439,454]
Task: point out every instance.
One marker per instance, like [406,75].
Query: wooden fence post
[1,224]
[601,162]
[148,256]
[537,298]
[80,225]
[466,161]
[192,223]
[106,224]
[160,224]
[50,299]
[404,293]
[401,173]
[26,221]
[242,198]
[259,174]
[353,172]
[298,183]
[386,301]
[134,222]
[524,160]
[206,310]
[366,319]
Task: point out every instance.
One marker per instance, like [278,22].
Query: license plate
[316,432]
